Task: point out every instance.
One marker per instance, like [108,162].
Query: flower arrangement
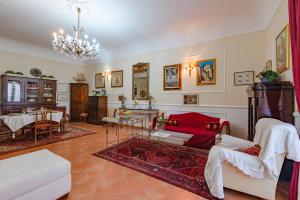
[268,76]
[161,119]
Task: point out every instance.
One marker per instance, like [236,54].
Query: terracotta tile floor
[94,178]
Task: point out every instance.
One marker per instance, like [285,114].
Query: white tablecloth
[15,123]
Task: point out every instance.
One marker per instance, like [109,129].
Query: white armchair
[234,178]
[228,167]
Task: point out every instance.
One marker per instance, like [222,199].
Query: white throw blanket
[274,136]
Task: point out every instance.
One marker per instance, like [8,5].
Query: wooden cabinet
[275,99]
[78,98]
[22,92]
[97,109]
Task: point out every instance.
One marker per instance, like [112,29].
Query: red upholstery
[194,123]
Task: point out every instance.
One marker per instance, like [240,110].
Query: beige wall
[278,22]
[234,54]
[63,72]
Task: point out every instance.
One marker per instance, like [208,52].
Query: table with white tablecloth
[17,121]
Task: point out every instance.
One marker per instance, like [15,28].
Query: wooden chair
[63,121]
[42,125]
[4,130]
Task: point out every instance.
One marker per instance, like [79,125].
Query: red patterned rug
[9,145]
[180,166]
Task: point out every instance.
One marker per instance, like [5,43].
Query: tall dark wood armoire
[273,99]
[97,109]
[79,99]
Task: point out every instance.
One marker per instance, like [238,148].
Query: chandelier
[76,46]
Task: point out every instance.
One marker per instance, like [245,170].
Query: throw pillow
[172,122]
[254,150]
[216,127]
[209,126]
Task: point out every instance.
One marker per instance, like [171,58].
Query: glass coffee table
[170,137]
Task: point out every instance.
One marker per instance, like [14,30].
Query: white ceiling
[130,27]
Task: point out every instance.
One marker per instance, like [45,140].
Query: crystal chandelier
[76,46]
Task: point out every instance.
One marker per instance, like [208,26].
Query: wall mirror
[140,81]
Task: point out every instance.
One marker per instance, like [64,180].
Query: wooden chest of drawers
[97,109]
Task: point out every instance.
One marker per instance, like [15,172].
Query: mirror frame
[148,69]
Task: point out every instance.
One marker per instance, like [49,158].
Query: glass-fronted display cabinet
[48,89]
[32,90]
[17,93]
[14,90]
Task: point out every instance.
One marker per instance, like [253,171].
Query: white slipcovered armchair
[229,167]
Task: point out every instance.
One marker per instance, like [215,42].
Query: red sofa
[195,123]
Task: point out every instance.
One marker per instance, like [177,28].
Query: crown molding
[15,46]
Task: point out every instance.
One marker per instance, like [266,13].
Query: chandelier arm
[78,22]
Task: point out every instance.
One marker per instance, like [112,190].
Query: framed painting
[140,81]
[283,50]
[244,78]
[190,99]
[117,78]
[62,97]
[172,77]
[206,72]
[99,80]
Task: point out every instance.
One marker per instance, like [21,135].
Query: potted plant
[268,76]
[161,119]
[10,72]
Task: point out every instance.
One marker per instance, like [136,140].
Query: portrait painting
[283,50]
[172,77]
[99,80]
[206,72]
[117,78]
[190,99]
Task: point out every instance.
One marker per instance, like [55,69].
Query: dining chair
[42,125]
[4,130]
[60,125]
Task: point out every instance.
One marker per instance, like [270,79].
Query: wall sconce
[189,68]
[106,75]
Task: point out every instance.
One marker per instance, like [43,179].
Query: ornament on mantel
[80,78]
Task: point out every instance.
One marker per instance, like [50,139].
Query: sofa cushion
[22,174]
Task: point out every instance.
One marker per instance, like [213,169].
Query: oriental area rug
[180,166]
[9,145]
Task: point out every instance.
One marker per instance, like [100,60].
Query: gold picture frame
[190,99]
[172,77]
[117,78]
[140,81]
[99,81]
[283,50]
[206,72]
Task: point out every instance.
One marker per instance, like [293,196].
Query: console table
[149,113]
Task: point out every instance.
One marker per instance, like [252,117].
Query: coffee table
[170,137]
[164,136]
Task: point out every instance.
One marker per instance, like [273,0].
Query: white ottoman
[41,175]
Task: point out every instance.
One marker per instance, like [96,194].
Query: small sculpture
[80,78]
[122,98]
[150,102]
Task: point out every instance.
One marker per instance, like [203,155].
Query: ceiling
[130,27]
